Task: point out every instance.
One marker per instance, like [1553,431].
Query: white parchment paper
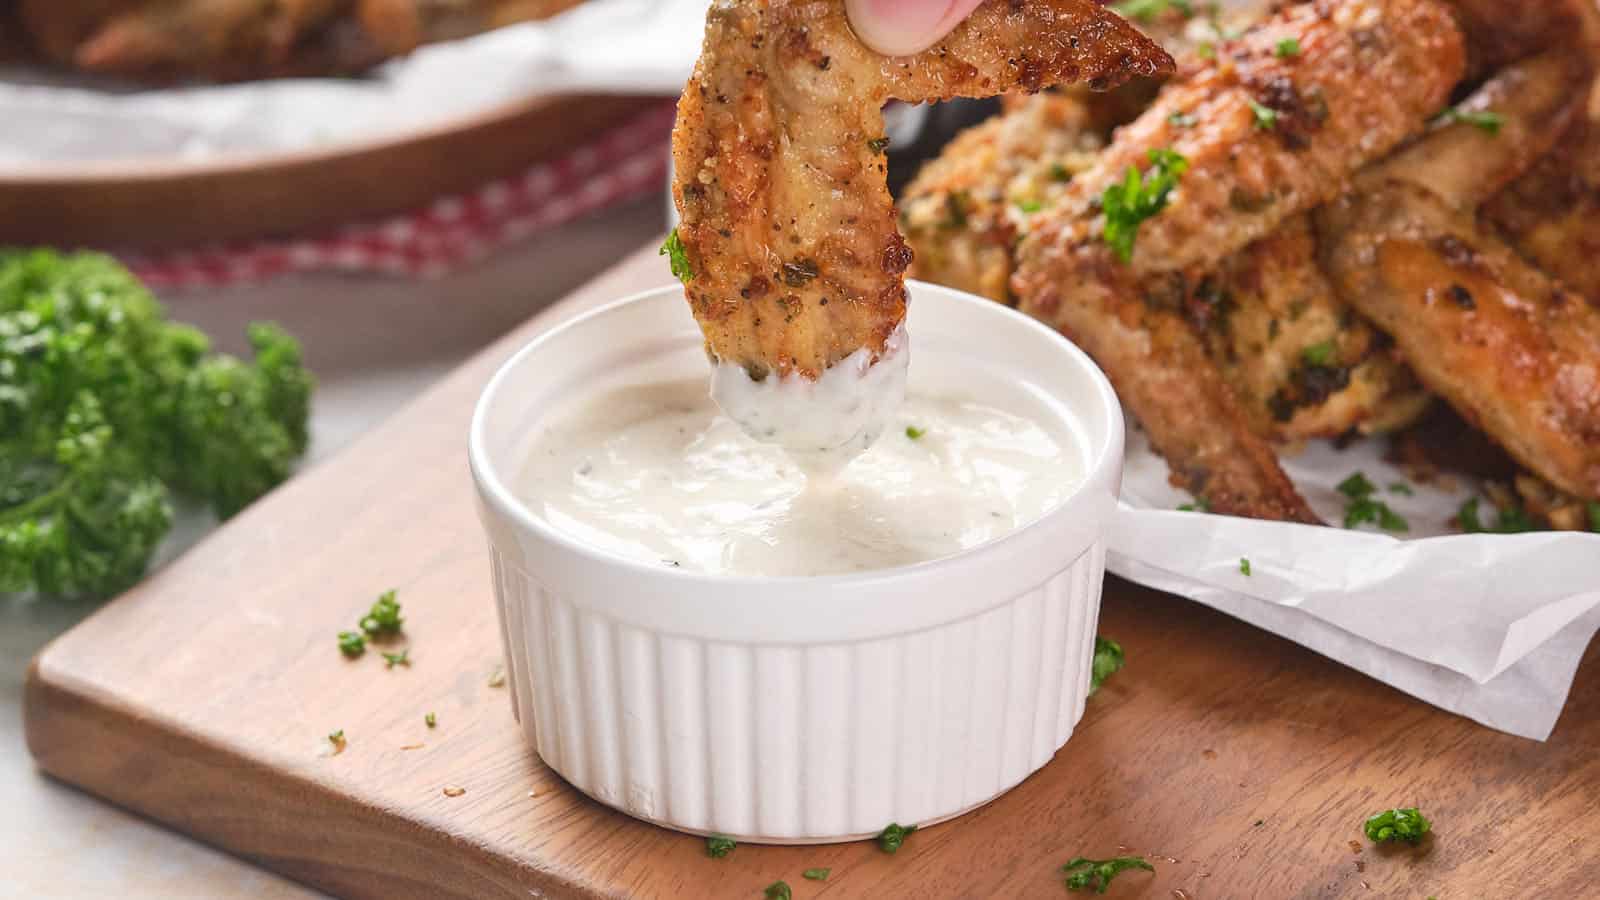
[620,46]
[1489,626]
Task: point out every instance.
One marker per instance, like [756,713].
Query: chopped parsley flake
[338,741]
[431,720]
[1593,508]
[1108,660]
[1181,119]
[915,433]
[718,846]
[1206,50]
[1511,520]
[1059,172]
[1150,10]
[1287,48]
[1096,874]
[1130,202]
[816,874]
[1400,487]
[890,839]
[1244,565]
[878,145]
[384,617]
[779,890]
[1407,825]
[352,643]
[1266,116]
[1362,509]
[1485,120]
[672,248]
[1201,503]
[1029,205]
[1320,354]
[403,658]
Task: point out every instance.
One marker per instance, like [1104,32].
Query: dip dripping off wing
[787,225]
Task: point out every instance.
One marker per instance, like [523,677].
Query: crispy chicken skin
[1550,215]
[787,221]
[400,26]
[964,211]
[1515,352]
[1512,350]
[1300,362]
[1503,31]
[1368,74]
[209,35]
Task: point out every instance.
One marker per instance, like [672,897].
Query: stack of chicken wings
[1339,218]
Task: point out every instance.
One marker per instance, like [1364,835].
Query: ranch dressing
[657,473]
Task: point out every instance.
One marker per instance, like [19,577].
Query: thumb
[902,27]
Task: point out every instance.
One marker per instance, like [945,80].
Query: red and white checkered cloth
[628,161]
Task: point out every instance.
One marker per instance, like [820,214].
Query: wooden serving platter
[149,205]
[1241,764]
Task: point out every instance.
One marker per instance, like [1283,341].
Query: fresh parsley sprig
[1130,202]
[718,846]
[677,257]
[1405,824]
[1108,660]
[1361,507]
[890,839]
[1096,874]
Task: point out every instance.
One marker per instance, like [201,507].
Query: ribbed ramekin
[798,709]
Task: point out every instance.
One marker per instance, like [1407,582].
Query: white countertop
[374,344]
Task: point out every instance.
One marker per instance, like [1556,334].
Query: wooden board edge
[183,782]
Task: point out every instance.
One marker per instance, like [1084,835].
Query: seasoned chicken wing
[787,224]
[1514,352]
[1266,136]
[400,26]
[218,36]
[1551,215]
[1300,362]
[963,213]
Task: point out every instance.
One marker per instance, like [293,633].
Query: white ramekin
[798,709]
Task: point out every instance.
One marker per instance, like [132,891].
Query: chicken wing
[1513,351]
[400,26]
[1267,136]
[787,225]
[963,213]
[1549,214]
[219,37]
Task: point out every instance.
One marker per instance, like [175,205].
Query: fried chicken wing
[787,224]
[214,36]
[964,211]
[1267,137]
[1300,362]
[1515,352]
[1549,214]
[400,26]
[1512,350]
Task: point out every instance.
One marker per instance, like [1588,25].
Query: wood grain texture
[202,699]
[154,205]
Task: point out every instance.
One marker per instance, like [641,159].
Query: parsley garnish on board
[352,643]
[1150,10]
[890,839]
[1108,660]
[403,658]
[1485,120]
[1361,508]
[677,257]
[778,890]
[816,874]
[1131,201]
[1096,874]
[718,846]
[384,617]
[108,410]
[1406,824]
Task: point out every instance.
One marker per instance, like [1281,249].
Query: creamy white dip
[825,423]
[657,473]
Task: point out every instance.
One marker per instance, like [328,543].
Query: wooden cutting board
[1241,764]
